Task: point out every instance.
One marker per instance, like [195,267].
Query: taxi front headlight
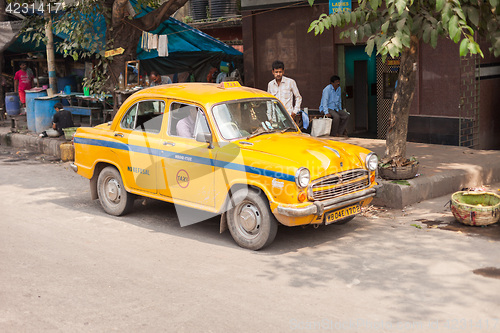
[371,161]
[302,177]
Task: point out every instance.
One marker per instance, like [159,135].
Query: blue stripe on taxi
[179,156]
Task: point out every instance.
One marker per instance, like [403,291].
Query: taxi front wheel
[250,221]
[112,194]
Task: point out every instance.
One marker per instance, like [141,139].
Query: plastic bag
[321,126]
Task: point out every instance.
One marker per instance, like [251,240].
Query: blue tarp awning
[183,38]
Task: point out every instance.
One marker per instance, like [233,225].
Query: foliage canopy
[389,24]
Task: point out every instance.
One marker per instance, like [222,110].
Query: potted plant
[407,169]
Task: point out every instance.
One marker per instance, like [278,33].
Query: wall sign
[338,6]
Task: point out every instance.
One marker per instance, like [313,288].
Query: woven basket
[398,173]
[476,208]
[68,132]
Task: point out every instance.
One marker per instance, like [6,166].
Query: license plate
[342,213]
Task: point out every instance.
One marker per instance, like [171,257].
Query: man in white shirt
[284,88]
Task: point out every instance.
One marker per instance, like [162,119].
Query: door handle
[119,134]
[168,143]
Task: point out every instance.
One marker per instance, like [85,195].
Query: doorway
[361,96]
[360,87]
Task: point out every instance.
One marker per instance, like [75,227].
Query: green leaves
[354,36]
[397,42]
[453,28]
[434,37]
[426,36]
[384,27]
[400,6]
[370,44]
[388,25]
[472,14]
[439,5]
[464,47]
[374,4]
[324,21]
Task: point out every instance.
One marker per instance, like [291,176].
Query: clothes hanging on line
[144,41]
[149,41]
[152,41]
[163,46]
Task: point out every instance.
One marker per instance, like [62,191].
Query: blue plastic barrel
[44,112]
[12,105]
[30,107]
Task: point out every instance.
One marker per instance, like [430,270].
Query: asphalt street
[67,266]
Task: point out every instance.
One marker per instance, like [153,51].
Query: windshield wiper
[288,128]
[258,132]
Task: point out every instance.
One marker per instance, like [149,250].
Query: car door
[186,165]
[140,132]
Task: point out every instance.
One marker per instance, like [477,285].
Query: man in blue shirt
[331,106]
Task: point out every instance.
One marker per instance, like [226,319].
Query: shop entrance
[360,90]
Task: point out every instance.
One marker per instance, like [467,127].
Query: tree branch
[152,20]
[119,12]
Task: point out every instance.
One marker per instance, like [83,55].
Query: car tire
[251,222]
[112,194]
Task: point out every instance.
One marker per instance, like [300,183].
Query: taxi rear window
[145,116]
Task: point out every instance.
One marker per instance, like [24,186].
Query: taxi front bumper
[319,207]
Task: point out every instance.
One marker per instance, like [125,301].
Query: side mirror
[205,137]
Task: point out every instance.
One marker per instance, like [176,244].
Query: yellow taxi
[223,150]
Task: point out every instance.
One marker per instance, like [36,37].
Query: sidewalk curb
[48,146]
[399,196]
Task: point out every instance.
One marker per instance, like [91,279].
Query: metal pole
[2,98]
[50,47]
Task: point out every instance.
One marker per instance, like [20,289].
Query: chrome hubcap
[113,190]
[250,219]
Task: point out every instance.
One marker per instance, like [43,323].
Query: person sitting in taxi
[185,126]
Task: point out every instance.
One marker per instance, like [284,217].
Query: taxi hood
[320,156]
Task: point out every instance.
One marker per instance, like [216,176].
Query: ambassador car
[223,150]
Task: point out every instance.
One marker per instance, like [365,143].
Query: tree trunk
[51,63]
[127,37]
[395,151]
[126,33]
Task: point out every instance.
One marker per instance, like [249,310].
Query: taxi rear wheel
[112,194]
[251,223]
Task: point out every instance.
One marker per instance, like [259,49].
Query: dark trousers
[339,122]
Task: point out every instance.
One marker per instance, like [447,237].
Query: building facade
[456,100]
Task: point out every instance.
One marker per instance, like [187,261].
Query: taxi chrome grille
[339,184]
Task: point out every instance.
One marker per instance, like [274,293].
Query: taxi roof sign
[229,84]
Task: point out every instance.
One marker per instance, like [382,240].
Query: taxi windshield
[245,119]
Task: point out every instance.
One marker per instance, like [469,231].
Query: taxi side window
[186,120]
[145,116]
[201,124]
[128,120]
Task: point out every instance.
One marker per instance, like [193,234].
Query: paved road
[67,266]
